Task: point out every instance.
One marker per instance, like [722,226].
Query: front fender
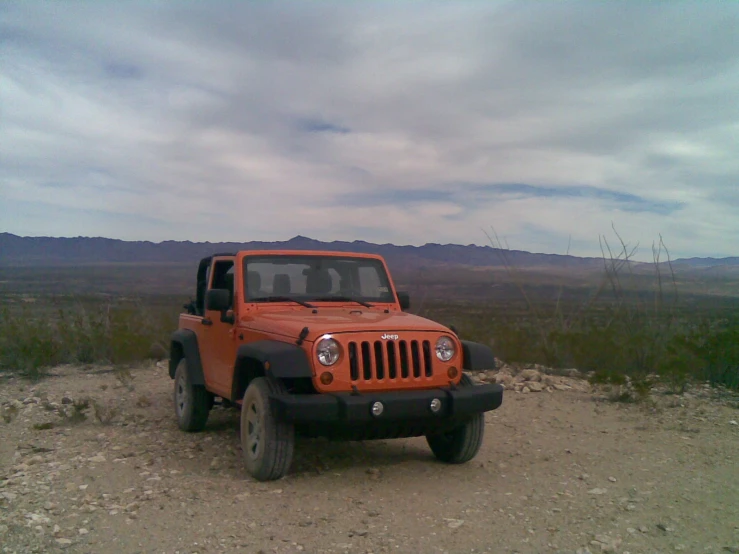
[476,356]
[277,359]
[280,359]
[184,344]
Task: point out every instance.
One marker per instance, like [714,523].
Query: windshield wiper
[342,299]
[281,299]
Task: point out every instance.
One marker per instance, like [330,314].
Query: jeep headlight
[445,349]
[328,351]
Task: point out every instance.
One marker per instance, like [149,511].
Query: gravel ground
[561,470]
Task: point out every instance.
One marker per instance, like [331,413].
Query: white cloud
[233,121]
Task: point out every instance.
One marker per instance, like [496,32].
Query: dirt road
[560,471]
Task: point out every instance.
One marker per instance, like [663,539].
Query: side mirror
[218,300]
[405,300]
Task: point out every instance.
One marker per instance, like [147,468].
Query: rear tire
[266,443]
[192,403]
[462,443]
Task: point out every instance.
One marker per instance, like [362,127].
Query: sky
[551,122]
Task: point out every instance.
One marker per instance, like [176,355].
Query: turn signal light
[452,372]
[327,378]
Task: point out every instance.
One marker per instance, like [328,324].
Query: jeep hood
[338,320]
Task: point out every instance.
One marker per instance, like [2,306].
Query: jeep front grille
[390,360]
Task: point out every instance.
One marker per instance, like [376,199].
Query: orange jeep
[319,343]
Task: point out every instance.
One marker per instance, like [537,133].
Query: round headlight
[328,351]
[445,349]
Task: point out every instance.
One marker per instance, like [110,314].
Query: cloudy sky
[405,122]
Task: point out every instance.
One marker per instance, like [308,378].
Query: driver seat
[319,282]
[281,285]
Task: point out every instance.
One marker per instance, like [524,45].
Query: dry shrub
[104,413]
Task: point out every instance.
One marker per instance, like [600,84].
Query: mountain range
[51,251]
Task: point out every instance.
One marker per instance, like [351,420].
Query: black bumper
[397,406]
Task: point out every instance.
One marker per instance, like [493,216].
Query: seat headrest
[319,282]
[281,284]
[253,283]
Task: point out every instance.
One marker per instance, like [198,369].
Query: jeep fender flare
[280,360]
[476,356]
[184,344]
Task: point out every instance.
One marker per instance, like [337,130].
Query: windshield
[309,278]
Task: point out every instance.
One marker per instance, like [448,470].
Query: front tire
[267,444]
[192,403]
[463,442]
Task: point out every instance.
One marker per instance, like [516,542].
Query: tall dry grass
[33,339]
[622,330]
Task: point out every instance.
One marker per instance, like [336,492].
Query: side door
[219,338]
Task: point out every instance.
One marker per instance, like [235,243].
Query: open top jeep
[319,343]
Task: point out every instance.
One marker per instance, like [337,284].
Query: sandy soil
[559,471]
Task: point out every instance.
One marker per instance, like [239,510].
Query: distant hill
[16,251]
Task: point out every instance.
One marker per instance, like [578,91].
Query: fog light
[327,378]
[377,409]
[452,372]
[435,405]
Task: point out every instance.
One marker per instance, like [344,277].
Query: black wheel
[192,403]
[462,443]
[267,444]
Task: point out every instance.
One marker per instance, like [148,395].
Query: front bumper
[348,408]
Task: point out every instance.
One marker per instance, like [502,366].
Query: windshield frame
[390,298]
